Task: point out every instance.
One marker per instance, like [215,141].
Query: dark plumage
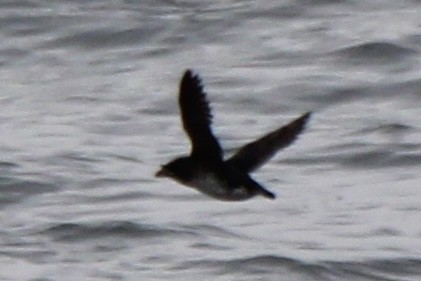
[205,169]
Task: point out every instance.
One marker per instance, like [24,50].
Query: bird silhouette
[205,168]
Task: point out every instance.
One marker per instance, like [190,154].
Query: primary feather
[197,118]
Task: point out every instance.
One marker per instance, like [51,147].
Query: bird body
[205,169]
[223,181]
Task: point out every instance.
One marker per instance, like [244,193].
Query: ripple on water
[105,38]
[270,265]
[391,128]
[14,190]
[74,232]
[375,53]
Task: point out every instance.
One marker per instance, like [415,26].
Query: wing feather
[197,118]
[256,153]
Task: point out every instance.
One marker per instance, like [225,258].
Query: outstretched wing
[254,154]
[197,118]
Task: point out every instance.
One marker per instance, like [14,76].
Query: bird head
[179,169]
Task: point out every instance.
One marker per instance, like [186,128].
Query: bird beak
[162,173]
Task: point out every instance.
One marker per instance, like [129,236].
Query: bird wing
[197,118]
[256,153]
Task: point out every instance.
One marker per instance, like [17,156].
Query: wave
[391,128]
[14,190]
[4,164]
[364,158]
[381,158]
[266,266]
[74,232]
[381,269]
[104,38]
[375,52]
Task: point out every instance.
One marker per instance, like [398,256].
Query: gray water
[88,113]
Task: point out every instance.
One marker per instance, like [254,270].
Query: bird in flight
[205,168]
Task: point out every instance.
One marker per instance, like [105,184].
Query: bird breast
[214,187]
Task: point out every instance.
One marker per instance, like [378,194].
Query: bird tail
[267,194]
[261,190]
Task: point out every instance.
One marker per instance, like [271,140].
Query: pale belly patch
[211,186]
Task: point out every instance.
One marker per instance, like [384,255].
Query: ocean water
[88,113]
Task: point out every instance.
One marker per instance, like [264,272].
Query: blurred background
[88,113]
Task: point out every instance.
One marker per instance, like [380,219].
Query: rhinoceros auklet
[205,168]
